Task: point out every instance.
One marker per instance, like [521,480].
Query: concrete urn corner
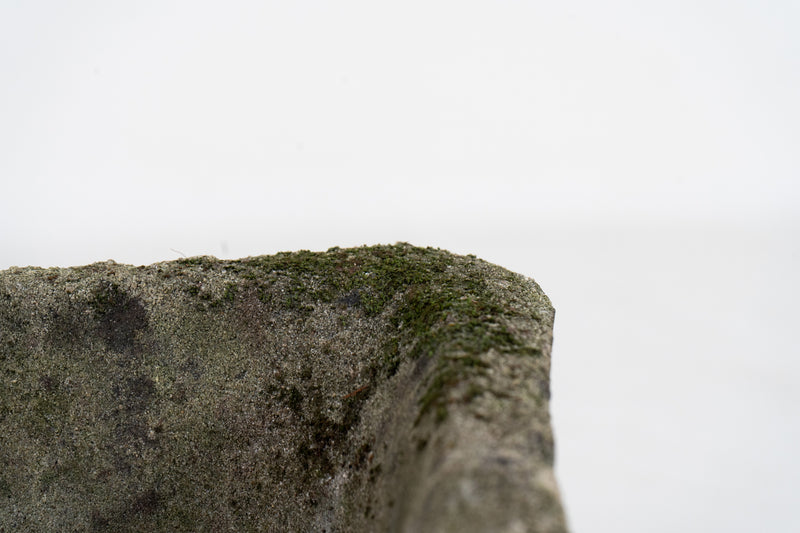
[381,388]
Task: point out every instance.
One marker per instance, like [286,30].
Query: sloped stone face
[385,388]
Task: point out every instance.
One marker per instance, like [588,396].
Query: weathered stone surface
[385,388]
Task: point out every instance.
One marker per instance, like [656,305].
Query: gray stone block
[384,388]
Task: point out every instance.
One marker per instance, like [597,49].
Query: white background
[638,159]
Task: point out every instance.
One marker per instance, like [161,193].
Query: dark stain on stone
[99,522]
[137,393]
[421,366]
[146,503]
[294,399]
[11,319]
[363,453]
[47,383]
[120,317]
[134,433]
[544,388]
[502,461]
[179,393]
[5,489]
[192,367]
[352,299]
[121,463]
[374,473]
[544,446]
[140,507]
[326,436]
[67,330]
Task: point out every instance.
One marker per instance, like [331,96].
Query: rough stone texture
[385,388]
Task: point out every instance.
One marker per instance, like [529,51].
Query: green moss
[420,277]
[473,391]
[45,416]
[106,298]
[391,356]
[469,362]
[230,292]
[375,273]
[66,472]
[205,262]
[444,380]
[529,351]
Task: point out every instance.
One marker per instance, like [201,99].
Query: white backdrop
[638,159]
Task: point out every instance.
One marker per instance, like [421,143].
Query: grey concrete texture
[382,388]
